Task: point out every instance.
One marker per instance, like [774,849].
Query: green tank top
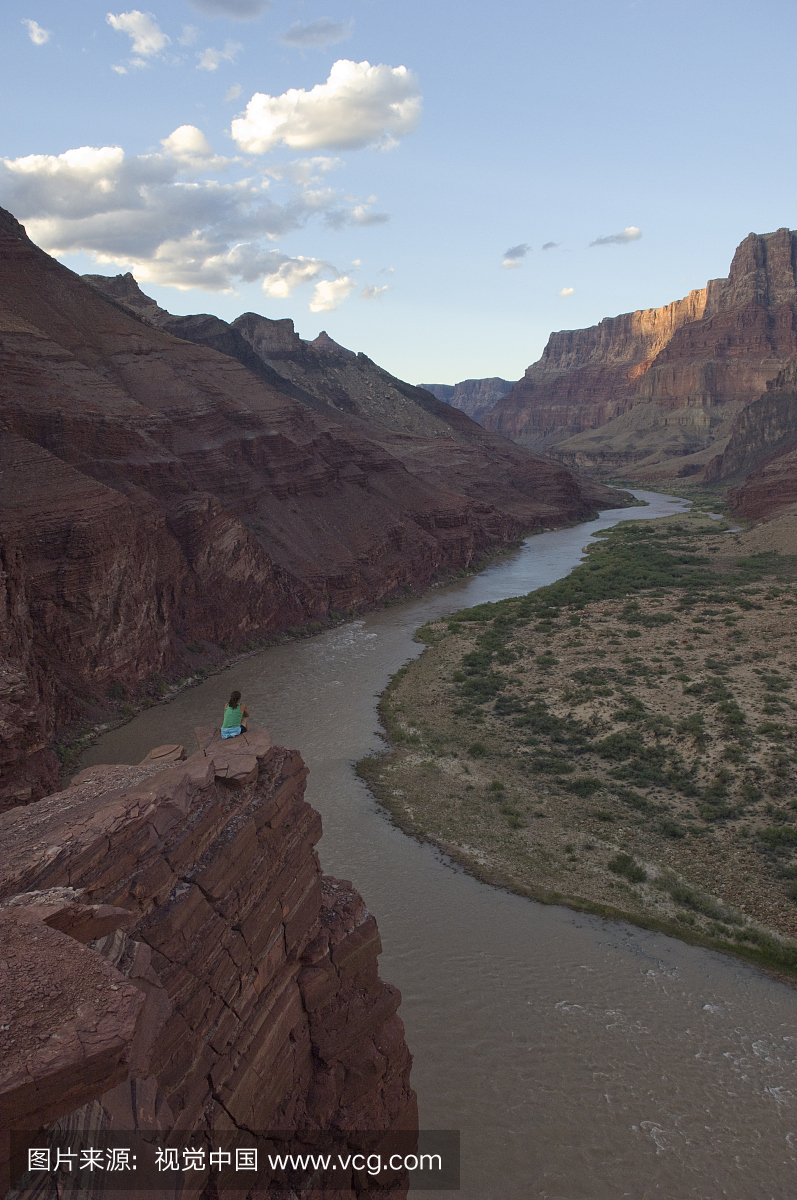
[232,717]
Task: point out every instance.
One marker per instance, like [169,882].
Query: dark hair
[234,699]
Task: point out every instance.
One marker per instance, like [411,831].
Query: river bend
[582,1059]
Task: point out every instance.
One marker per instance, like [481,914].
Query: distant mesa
[655,394]
[476,397]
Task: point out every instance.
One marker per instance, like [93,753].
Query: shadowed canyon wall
[761,454]
[177,961]
[164,504]
[476,397]
[646,389]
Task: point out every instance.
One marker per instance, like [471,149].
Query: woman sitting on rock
[235,717]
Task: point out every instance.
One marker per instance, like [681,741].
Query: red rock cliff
[159,498]
[715,349]
[176,960]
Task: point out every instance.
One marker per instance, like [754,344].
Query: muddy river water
[582,1059]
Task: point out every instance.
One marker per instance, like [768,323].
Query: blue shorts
[233,731]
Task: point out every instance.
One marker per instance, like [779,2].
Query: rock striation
[163,501]
[476,397]
[649,388]
[765,429]
[177,960]
[761,454]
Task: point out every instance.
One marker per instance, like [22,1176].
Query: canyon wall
[646,389]
[762,430]
[162,504]
[176,961]
[476,397]
[761,454]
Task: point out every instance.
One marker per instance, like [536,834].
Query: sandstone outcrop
[162,504]
[645,391]
[476,397]
[177,961]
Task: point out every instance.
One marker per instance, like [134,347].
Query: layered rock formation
[763,430]
[161,499]
[761,454]
[662,385]
[320,373]
[476,397]
[177,962]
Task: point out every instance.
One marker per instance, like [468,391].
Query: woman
[235,717]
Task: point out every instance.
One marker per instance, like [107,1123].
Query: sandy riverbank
[624,749]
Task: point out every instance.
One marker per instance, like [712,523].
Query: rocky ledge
[177,961]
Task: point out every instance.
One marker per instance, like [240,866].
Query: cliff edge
[178,962]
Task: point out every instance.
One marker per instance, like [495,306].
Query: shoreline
[695,864]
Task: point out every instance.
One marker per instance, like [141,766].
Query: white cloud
[361,214]
[159,216]
[120,70]
[35,32]
[330,294]
[371,292]
[513,255]
[339,218]
[304,170]
[321,32]
[192,152]
[629,234]
[566,292]
[233,92]
[239,10]
[290,273]
[210,59]
[358,106]
[148,38]
[189,35]
[551,245]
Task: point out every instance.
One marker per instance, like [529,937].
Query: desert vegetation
[622,741]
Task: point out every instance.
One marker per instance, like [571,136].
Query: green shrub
[552,764]
[584,786]
[735,754]
[477,662]
[619,746]
[624,864]
[778,836]
[671,828]
[699,901]
[478,750]
[481,688]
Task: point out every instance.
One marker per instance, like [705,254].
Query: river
[582,1059]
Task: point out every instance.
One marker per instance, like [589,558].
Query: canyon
[170,500]
[476,397]
[654,394]
[180,965]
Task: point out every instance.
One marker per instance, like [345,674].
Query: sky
[437,184]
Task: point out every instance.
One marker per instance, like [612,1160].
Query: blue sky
[379,203]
